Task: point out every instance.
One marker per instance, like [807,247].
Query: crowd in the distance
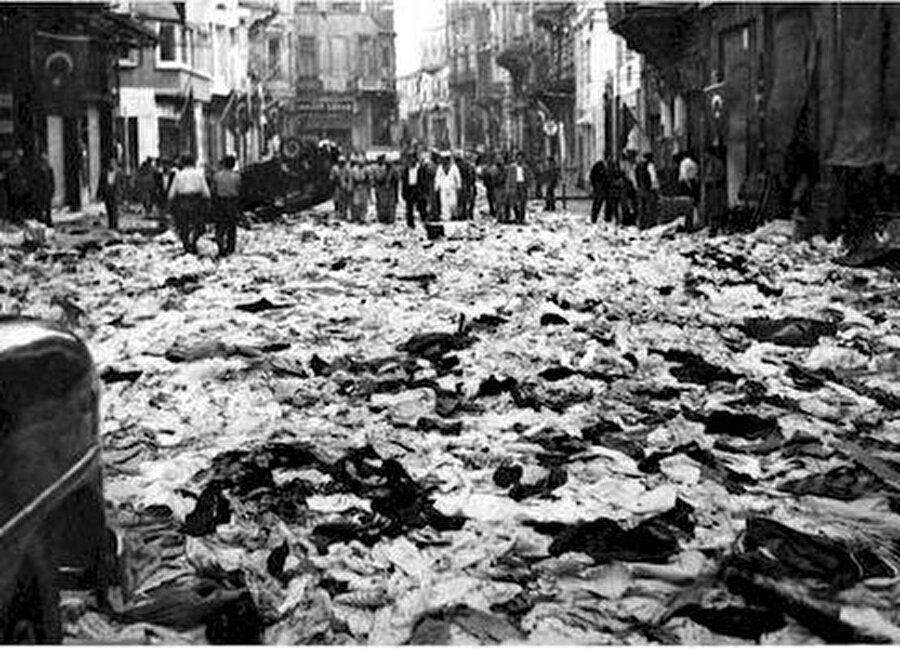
[438,185]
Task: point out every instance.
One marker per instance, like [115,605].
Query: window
[628,76]
[386,61]
[366,57]
[339,59]
[167,42]
[183,46]
[345,7]
[303,6]
[274,56]
[130,58]
[307,66]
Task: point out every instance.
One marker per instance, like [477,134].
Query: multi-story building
[534,42]
[343,74]
[798,100]
[426,91]
[428,119]
[58,89]
[465,37]
[174,93]
[608,110]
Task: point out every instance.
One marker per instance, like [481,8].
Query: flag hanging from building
[628,123]
[62,70]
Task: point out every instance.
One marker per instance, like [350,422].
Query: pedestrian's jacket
[645,175]
[599,176]
[408,189]
[17,181]
[551,173]
[466,173]
[42,184]
[188,181]
[227,183]
[512,183]
[110,190]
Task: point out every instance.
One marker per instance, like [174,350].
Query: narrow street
[551,433]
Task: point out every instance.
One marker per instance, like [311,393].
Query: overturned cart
[296,180]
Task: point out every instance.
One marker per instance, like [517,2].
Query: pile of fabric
[551,433]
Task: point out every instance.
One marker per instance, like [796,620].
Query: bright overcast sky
[414,20]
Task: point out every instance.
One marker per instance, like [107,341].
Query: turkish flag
[61,70]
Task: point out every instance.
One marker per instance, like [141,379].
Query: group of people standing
[628,193]
[437,186]
[356,179]
[192,195]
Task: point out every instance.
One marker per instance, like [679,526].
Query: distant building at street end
[343,74]
[609,116]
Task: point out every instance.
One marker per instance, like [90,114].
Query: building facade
[427,113]
[59,91]
[608,107]
[797,99]
[192,92]
[343,75]
[428,117]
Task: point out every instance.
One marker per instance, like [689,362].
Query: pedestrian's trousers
[226,224]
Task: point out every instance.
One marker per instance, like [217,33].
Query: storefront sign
[338,106]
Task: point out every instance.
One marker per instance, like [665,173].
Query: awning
[161,11]
[124,28]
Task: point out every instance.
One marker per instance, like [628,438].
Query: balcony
[659,30]
[515,55]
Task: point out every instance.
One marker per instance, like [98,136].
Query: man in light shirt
[517,180]
[447,183]
[189,197]
[689,185]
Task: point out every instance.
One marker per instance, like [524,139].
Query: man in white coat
[447,183]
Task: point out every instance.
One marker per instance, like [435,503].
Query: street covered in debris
[554,433]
